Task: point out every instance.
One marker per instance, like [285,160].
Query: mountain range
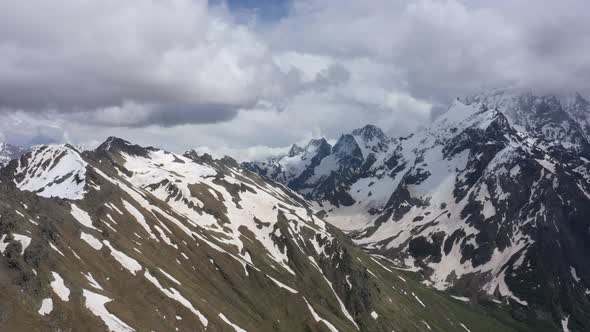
[9,152]
[479,221]
[490,201]
[130,238]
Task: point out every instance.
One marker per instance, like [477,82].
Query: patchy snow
[483,196]
[114,208]
[451,264]
[46,307]
[91,240]
[418,299]
[379,263]
[280,284]
[355,217]
[93,283]
[81,216]
[164,236]
[348,282]
[234,326]
[96,304]
[163,173]
[548,165]
[460,298]
[24,240]
[574,274]
[318,319]
[514,171]
[564,323]
[3,245]
[59,288]
[342,306]
[54,248]
[464,327]
[505,290]
[127,262]
[175,295]
[170,277]
[53,171]
[139,218]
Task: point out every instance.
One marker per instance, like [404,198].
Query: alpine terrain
[130,238]
[490,201]
[9,152]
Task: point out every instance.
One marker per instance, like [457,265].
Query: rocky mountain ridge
[489,200]
[131,238]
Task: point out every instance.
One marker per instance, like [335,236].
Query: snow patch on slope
[175,295]
[234,326]
[318,319]
[96,304]
[59,288]
[46,307]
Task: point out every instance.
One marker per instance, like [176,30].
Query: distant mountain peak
[315,142]
[316,147]
[115,144]
[9,152]
[347,146]
[369,133]
[471,197]
[112,142]
[50,171]
[295,150]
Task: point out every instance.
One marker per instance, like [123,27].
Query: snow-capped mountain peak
[370,133]
[50,171]
[347,147]
[117,145]
[477,197]
[315,163]
[295,150]
[9,152]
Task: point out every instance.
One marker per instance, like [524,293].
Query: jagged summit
[317,143]
[369,133]
[553,120]
[112,142]
[194,155]
[347,146]
[295,150]
[117,145]
[476,200]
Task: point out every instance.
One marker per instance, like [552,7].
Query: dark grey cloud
[164,115]
[178,114]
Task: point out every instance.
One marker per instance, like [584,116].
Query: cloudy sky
[250,77]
